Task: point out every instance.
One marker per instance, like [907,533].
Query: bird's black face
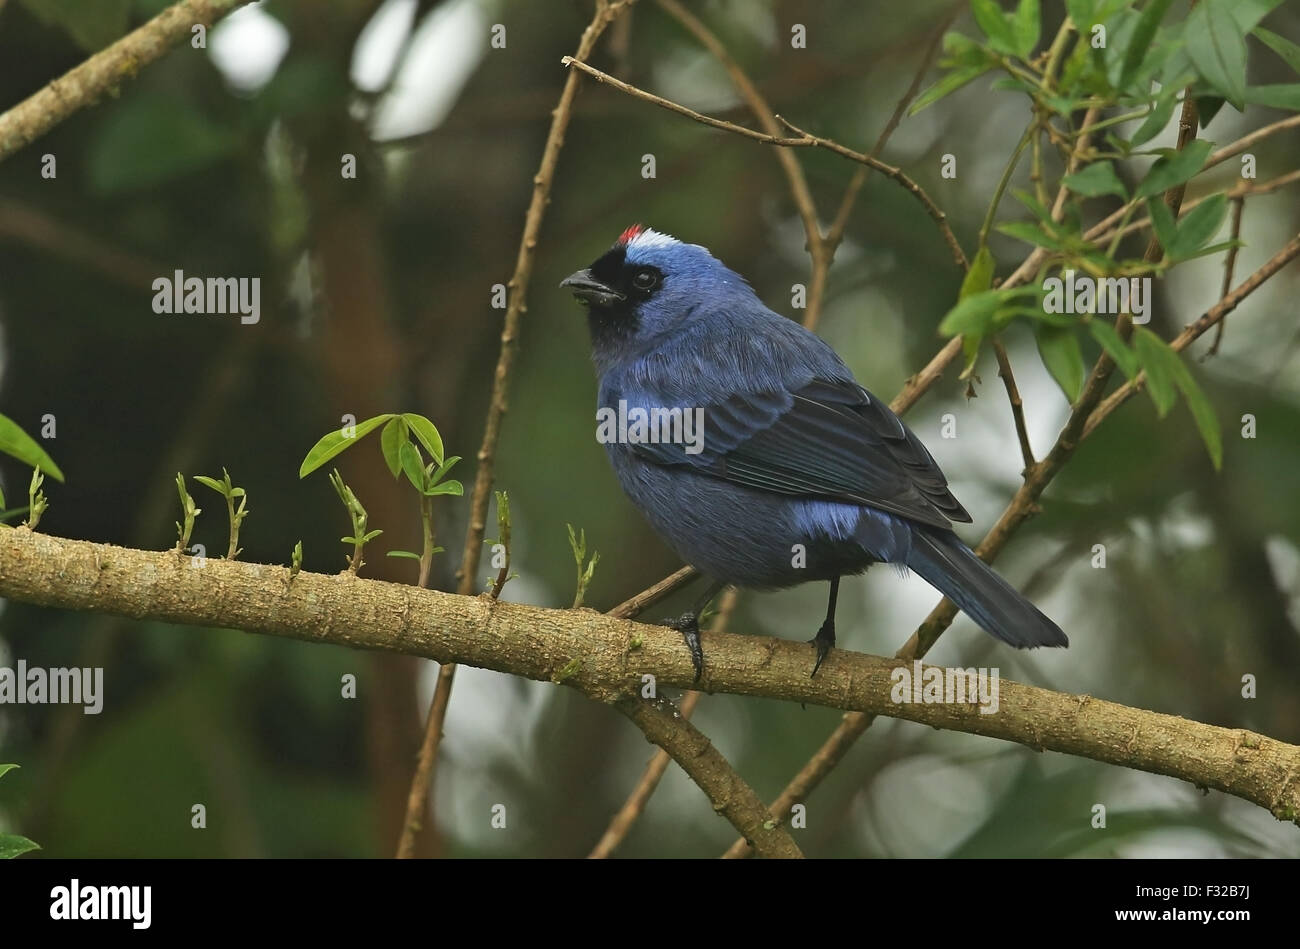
[614,283]
[613,289]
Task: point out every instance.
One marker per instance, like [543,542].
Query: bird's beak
[590,290]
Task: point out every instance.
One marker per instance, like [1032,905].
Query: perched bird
[754,453]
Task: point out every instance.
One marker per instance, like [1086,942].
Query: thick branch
[105,71]
[606,658]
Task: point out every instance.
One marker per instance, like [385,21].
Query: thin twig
[1192,331]
[795,178]
[802,139]
[420,797]
[653,594]
[835,233]
[1017,407]
[1229,265]
[1102,229]
[1244,189]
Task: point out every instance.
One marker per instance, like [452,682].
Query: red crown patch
[631,234]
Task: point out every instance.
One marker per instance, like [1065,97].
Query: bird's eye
[645,279]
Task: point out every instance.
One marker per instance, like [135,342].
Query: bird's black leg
[688,624]
[825,637]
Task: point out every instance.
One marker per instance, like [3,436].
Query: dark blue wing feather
[821,435]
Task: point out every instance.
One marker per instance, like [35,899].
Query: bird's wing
[829,439]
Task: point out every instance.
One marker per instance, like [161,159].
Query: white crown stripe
[652,238]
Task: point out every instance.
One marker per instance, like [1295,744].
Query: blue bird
[753,452]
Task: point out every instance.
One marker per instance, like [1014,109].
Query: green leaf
[1162,221]
[1097,179]
[405,554]
[1166,369]
[1207,423]
[335,443]
[1034,205]
[1081,12]
[1026,25]
[1215,249]
[1029,233]
[438,473]
[17,443]
[980,275]
[12,845]
[1115,347]
[970,350]
[971,316]
[1197,226]
[996,26]
[391,440]
[445,487]
[1157,121]
[1277,96]
[212,483]
[1207,107]
[1174,169]
[2,504]
[1249,12]
[6,768]
[1140,41]
[1150,351]
[1119,33]
[1063,357]
[411,465]
[427,434]
[1217,47]
[948,84]
[1289,51]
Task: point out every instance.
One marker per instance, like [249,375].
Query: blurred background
[376,296]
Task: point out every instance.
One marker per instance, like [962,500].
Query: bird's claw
[823,642]
[689,626]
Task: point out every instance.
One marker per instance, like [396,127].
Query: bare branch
[606,658]
[621,823]
[105,71]
[802,139]
[1017,407]
[1229,265]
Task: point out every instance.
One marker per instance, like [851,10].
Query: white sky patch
[380,41]
[445,50]
[248,47]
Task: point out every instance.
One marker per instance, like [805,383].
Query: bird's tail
[952,568]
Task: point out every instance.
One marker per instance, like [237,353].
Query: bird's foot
[823,642]
[688,624]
